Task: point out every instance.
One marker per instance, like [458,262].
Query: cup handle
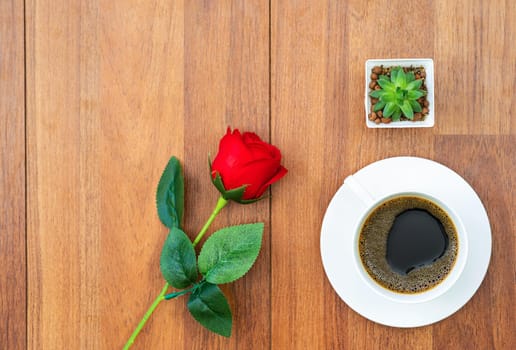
[359,191]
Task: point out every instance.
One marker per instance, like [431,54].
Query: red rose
[245,160]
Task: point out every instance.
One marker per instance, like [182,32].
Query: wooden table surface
[95,97]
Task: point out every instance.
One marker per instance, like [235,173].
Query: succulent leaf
[414,85]
[396,116]
[401,79]
[386,85]
[379,105]
[389,109]
[377,93]
[406,108]
[414,94]
[394,74]
[415,106]
[389,98]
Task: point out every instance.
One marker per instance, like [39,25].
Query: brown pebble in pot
[386,120]
[372,84]
[377,70]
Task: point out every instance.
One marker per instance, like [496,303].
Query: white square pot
[428,64]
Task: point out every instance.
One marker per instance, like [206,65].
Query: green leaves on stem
[225,257]
[177,260]
[210,308]
[170,194]
[230,252]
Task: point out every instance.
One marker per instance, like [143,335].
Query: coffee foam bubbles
[373,247]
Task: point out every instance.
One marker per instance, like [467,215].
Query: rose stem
[176,294]
[146,317]
[221,203]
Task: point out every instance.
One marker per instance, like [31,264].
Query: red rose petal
[282,172]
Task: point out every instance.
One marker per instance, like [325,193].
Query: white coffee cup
[449,280]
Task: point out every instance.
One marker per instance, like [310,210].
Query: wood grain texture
[105,98]
[142,103]
[13,333]
[318,121]
[488,163]
[227,79]
[114,88]
[318,53]
[476,67]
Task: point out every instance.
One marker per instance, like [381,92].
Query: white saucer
[388,177]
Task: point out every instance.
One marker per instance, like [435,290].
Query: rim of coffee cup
[442,287]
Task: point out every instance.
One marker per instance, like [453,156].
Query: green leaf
[177,260]
[230,252]
[377,93]
[396,115]
[389,109]
[401,79]
[210,308]
[410,77]
[415,105]
[235,194]
[414,85]
[218,183]
[170,194]
[414,95]
[394,75]
[379,105]
[391,97]
[385,77]
[406,108]
[386,85]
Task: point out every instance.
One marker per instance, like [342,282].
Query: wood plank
[318,54]
[487,321]
[105,94]
[142,69]
[227,80]
[13,334]
[475,75]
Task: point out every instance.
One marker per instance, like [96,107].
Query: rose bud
[245,166]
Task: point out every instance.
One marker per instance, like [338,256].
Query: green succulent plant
[398,94]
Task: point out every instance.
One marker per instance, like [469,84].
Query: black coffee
[408,244]
[406,250]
